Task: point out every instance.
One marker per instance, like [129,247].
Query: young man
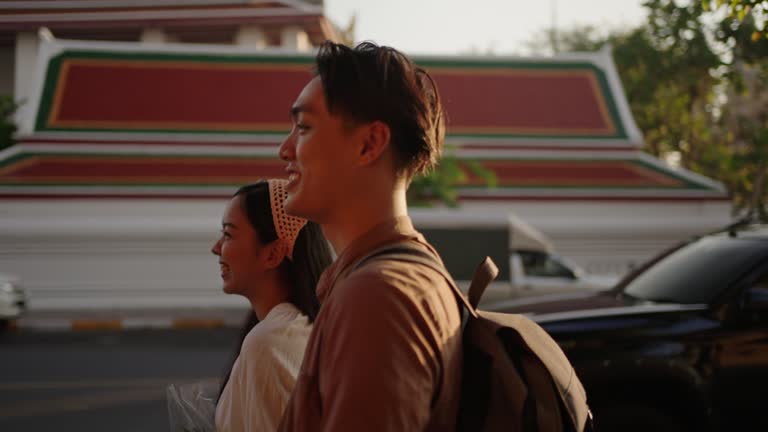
[385,352]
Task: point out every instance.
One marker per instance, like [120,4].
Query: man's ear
[276,252]
[375,142]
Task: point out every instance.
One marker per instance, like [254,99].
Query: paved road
[102,380]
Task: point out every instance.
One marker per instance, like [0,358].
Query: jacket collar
[395,230]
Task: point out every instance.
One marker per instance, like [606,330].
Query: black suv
[681,344]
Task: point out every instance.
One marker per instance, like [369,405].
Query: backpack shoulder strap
[485,273]
[414,254]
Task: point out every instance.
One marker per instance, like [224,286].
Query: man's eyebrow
[228,225]
[297,109]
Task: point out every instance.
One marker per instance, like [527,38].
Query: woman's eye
[301,127]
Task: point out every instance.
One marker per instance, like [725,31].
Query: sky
[479,26]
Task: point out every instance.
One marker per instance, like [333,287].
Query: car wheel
[634,417]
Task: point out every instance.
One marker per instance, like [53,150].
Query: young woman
[274,260]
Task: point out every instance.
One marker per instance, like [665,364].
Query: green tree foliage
[746,111]
[696,90]
[7,127]
[440,186]
[755,11]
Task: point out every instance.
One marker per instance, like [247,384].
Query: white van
[535,268]
[528,263]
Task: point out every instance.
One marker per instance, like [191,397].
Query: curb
[78,322]
[117,324]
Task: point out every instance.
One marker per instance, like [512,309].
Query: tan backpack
[515,376]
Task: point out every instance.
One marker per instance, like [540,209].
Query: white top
[264,373]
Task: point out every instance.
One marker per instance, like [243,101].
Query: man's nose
[216,249]
[287,148]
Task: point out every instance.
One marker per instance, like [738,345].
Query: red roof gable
[124,119]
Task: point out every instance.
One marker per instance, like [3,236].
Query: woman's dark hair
[311,255]
[378,83]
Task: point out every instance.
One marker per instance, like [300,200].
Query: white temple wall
[156,253]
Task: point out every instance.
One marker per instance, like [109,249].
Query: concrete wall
[156,253]
[114,254]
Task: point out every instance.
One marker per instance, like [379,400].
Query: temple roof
[124,119]
[123,19]
[563,100]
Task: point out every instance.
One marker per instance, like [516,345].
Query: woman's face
[239,250]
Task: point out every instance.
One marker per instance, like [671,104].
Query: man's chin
[292,207]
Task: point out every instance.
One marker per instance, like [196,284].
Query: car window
[699,271]
[541,264]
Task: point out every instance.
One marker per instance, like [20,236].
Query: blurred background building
[139,119]
[293,25]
